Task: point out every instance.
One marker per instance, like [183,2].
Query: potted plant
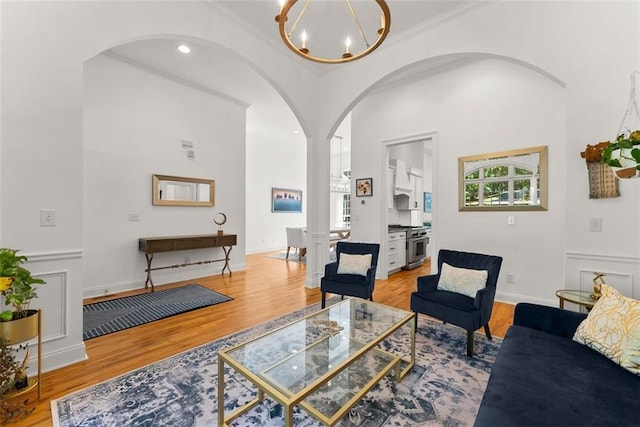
[17,322]
[17,286]
[623,155]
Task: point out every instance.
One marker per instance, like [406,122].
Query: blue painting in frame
[427,202]
[286,200]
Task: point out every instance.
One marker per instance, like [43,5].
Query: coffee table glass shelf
[324,363]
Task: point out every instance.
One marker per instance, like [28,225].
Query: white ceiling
[219,71]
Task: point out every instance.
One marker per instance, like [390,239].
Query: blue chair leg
[324,299]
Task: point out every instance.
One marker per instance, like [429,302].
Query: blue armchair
[457,309]
[350,284]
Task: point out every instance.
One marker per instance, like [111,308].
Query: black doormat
[105,317]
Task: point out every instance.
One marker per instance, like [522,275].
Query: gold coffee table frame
[327,346]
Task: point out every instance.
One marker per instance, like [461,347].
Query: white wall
[134,122]
[270,164]
[489,105]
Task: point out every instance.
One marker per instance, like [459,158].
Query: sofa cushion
[540,379]
[354,264]
[462,280]
[613,329]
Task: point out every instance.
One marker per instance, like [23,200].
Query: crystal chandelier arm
[355,17]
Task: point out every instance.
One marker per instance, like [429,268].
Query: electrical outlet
[47,218]
[134,217]
[595,224]
[510,278]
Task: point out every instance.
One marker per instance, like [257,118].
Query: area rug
[105,317]
[443,389]
[293,257]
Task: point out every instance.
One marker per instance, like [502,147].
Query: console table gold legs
[149,281]
[153,245]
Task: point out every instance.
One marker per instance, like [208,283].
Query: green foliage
[10,261]
[613,154]
[21,291]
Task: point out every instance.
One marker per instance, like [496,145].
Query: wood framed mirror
[514,180]
[181,191]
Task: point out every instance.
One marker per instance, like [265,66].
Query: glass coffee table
[324,363]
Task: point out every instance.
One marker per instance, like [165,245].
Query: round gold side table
[576,296]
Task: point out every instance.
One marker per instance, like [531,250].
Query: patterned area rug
[105,317]
[293,256]
[443,389]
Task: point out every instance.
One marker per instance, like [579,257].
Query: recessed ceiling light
[296,132]
[183,48]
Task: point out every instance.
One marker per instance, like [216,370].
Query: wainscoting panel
[60,299]
[54,292]
[621,281]
[621,272]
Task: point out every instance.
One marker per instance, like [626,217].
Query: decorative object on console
[372,19]
[364,187]
[623,155]
[220,219]
[286,200]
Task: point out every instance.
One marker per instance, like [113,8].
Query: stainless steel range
[417,241]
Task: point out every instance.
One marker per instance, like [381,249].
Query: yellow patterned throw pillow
[461,280]
[612,328]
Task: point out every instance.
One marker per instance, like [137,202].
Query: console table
[153,245]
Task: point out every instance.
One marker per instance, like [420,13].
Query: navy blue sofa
[542,377]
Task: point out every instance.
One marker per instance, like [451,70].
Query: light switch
[511,220]
[47,218]
[595,224]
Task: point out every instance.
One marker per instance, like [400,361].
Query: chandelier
[333,32]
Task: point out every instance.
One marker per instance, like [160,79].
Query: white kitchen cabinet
[396,251]
[412,202]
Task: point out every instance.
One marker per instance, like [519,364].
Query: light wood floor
[268,289]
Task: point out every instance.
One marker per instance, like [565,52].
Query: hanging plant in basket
[623,155]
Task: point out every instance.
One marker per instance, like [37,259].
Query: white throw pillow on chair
[354,264]
[462,280]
